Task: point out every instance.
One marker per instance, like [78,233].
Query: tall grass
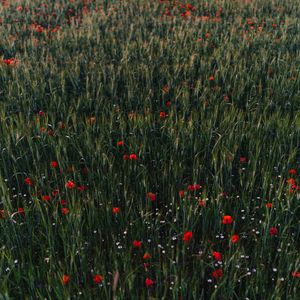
[206,94]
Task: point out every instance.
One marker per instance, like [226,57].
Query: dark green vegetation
[129,106]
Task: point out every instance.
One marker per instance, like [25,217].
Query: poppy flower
[115,210]
[227,220]
[211,78]
[291,181]
[217,273]
[269,205]
[168,104]
[235,238]
[151,196]
[202,203]
[120,143]
[70,184]
[273,231]
[181,194]
[10,61]
[82,188]
[21,211]
[125,156]
[194,187]
[243,159]
[296,274]
[292,172]
[137,244]
[55,193]
[217,255]
[162,114]
[28,181]
[63,202]
[146,256]
[46,197]
[166,89]
[65,279]
[54,164]
[187,236]
[226,98]
[65,211]
[189,6]
[97,278]
[149,282]
[132,157]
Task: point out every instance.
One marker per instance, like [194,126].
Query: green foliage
[207,94]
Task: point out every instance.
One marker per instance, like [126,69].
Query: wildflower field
[150,149]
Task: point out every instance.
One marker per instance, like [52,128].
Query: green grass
[105,75]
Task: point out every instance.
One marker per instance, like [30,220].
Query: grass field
[150,149]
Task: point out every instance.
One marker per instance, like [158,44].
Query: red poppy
[273,231]
[197,187]
[226,98]
[146,256]
[21,211]
[28,181]
[63,202]
[292,172]
[115,210]
[194,187]
[168,104]
[10,61]
[211,78]
[269,205]
[137,244]
[217,255]
[132,157]
[125,156]
[166,89]
[291,181]
[243,159]
[187,236]
[149,282]
[65,279]
[82,188]
[235,238]
[296,274]
[217,273]
[151,196]
[162,114]
[181,194]
[55,193]
[54,164]
[120,143]
[65,211]
[97,278]
[70,184]
[189,6]
[227,220]
[46,197]
[202,202]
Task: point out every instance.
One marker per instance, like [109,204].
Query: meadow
[150,149]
